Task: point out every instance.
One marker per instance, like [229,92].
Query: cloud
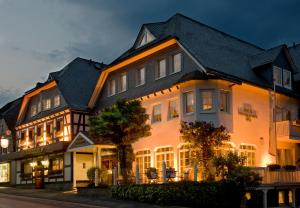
[7,95]
[38,37]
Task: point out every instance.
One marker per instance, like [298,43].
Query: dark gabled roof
[295,54]
[76,82]
[265,57]
[215,50]
[10,112]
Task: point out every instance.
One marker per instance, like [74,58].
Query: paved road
[10,201]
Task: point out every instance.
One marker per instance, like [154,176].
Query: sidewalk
[70,196]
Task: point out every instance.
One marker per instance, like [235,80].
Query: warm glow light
[45,163]
[267,159]
[4,143]
[33,164]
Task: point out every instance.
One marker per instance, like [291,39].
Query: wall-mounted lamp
[4,143]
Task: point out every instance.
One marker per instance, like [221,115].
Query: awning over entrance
[83,142]
[89,152]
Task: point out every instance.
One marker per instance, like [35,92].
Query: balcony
[277,177]
[288,131]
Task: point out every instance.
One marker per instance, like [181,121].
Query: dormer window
[287,79]
[277,76]
[147,37]
[56,101]
[47,104]
[282,77]
[33,110]
[111,87]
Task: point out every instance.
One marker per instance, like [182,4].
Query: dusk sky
[39,36]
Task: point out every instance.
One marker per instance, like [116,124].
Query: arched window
[164,154]
[143,161]
[248,151]
[184,153]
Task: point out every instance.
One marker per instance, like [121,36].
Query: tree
[231,167]
[123,123]
[203,138]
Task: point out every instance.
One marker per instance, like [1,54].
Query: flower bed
[205,194]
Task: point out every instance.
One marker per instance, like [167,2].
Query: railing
[278,176]
[287,129]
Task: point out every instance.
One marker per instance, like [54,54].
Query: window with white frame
[46,104]
[56,100]
[248,151]
[277,75]
[173,109]
[188,102]
[33,110]
[140,77]
[206,100]
[224,101]
[156,113]
[287,78]
[123,82]
[161,69]
[143,161]
[164,154]
[184,158]
[224,149]
[177,63]
[111,87]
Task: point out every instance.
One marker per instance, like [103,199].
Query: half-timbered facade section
[51,115]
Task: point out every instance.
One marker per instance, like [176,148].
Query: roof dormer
[145,37]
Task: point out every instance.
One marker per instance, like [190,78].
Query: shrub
[221,194]
[102,174]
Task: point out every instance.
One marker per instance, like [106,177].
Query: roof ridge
[215,29]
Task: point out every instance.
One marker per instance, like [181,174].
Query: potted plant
[289,167]
[151,173]
[273,167]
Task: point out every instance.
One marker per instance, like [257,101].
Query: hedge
[222,194]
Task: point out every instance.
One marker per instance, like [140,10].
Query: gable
[145,37]
[81,140]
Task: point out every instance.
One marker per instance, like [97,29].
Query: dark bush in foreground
[220,194]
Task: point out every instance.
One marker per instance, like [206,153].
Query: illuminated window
[33,110]
[143,161]
[224,149]
[248,151]
[224,101]
[207,100]
[164,154]
[27,169]
[184,158]
[156,113]
[31,135]
[59,127]
[57,163]
[123,82]
[56,101]
[111,87]
[49,130]
[4,172]
[173,109]
[277,75]
[161,69]
[189,102]
[39,108]
[46,104]
[287,79]
[39,135]
[177,59]
[140,76]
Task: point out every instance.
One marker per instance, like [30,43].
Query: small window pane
[33,110]
[112,87]
[207,100]
[140,78]
[123,82]
[156,115]
[189,102]
[47,104]
[277,76]
[287,82]
[161,72]
[56,101]
[224,101]
[177,63]
[173,109]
